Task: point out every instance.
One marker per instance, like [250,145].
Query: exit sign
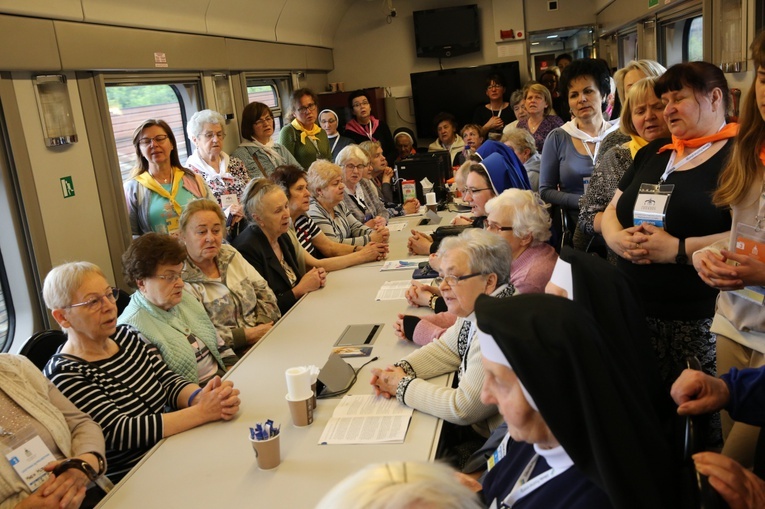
[67,187]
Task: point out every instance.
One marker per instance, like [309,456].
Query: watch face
[681,259]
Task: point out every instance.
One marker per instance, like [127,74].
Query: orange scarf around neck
[729,131]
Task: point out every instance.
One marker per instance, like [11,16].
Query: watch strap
[682,257]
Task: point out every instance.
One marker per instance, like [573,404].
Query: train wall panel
[56,9]
[173,15]
[28,44]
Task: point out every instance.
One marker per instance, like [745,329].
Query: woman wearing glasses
[108,372]
[159,186]
[259,152]
[303,137]
[168,317]
[361,196]
[498,113]
[472,264]
[365,127]
[226,176]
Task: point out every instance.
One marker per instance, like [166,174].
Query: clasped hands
[218,400]
[645,243]
[385,381]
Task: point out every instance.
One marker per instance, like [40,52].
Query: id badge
[586,183]
[651,204]
[498,454]
[750,241]
[172,224]
[28,454]
[226,200]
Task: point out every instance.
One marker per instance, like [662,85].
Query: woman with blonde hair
[541,115]
[739,322]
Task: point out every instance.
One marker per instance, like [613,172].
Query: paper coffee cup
[313,398]
[267,452]
[430,199]
[298,383]
[301,410]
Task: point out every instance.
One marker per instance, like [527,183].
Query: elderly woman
[524,146]
[541,116]
[493,117]
[270,245]
[643,121]
[365,127]
[159,186]
[328,210]
[472,135]
[405,142]
[472,264]
[168,317]
[226,176]
[237,299]
[361,198]
[397,485]
[654,245]
[75,442]
[328,121]
[519,109]
[260,154]
[449,138]
[577,442]
[303,137]
[293,182]
[108,372]
[382,178]
[521,219]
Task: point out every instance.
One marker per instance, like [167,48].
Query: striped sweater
[126,394]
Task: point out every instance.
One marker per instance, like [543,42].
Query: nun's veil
[595,401]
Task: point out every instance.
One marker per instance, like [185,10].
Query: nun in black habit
[608,442]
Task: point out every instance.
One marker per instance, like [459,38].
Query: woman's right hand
[254,334]
[312,280]
[380,235]
[411,206]
[626,243]
[374,251]
[419,294]
[398,327]
[494,123]
[739,487]
[461,220]
[59,498]
[419,243]
[218,400]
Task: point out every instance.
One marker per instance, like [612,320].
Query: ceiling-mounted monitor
[447,32]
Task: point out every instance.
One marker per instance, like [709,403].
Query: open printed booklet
[367,419]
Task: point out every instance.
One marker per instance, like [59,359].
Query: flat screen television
[447,32]
[456,91]
[436,166]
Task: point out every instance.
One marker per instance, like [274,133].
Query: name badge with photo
[226,200]
[651,204]
[750,241]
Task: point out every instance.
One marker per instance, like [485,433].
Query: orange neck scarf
[728,131]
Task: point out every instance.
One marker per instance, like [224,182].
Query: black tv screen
[456,91]
[447,32]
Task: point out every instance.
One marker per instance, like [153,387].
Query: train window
[269,92]
[683,40]
[627,48]
[131,104]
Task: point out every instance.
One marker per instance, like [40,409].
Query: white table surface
[214,465]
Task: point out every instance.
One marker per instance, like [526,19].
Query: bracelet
[77,463]
[101,462]
[432,303]
[194,395]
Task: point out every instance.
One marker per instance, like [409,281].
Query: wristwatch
[80,464]
[681,258]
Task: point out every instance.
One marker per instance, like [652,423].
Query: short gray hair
[200,118]
[487,253]
[521,138]
[253,194]
[351,152]
[321,173]
[62,282]
[400,484]
[528,210]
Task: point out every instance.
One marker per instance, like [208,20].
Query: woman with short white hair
[361,197]
[398,485]
[225,175]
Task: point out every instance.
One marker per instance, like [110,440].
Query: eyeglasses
[170,278]
[360,104]
[494,227]
[210,136]
[494,86]
[157,139]
[473,190]
[455,280]
[97,303]
[307,108]
[264,121]
[354,166]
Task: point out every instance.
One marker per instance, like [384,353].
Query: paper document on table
[396,227]
[410,264]
[367,419]
[393,290]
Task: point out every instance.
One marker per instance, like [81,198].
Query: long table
[214,465]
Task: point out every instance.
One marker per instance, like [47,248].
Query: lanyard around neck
[672,165]
[524,486]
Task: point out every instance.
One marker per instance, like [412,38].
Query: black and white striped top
[126,394]
[306,230]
